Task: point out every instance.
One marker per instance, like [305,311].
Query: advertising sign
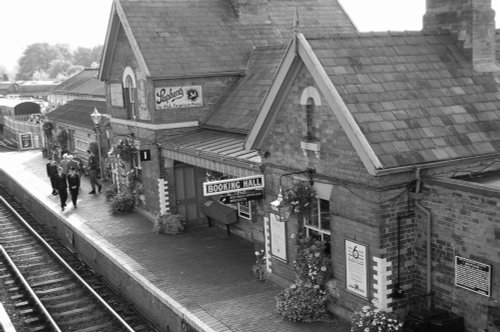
[356,269]
[26,141]
[473,275]
[178,97]
[233,185]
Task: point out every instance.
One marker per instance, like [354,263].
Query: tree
[57,61]
[36,57]
[86,56]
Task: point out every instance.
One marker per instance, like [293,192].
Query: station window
[318,224]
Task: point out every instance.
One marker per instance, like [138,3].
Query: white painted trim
[381,291]
[107,40]
[310,92]
[339,108]
[271,95]
[153,126]
[126,73]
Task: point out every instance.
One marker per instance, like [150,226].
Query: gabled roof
[238,111]
[84,83]
[402,98]
[77,112]
[177,38]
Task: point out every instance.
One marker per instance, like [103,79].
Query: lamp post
[96,119]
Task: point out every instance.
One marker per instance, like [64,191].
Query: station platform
[203,276]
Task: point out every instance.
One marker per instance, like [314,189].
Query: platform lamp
[96,119]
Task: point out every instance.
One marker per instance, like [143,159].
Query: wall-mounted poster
[116,95]
[278,237]
[25,141]
[356,269]
[178,97]
[473,275]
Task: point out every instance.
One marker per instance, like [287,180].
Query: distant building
[84,85]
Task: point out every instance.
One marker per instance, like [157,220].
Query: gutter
[387,171]
[417,197]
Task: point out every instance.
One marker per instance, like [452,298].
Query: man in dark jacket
[93,167]
[51,173]
[74,185]
[62,187]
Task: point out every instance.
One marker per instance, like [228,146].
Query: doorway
[187,193]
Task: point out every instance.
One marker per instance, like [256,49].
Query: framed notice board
[356,268]
[473,275]
[25,141]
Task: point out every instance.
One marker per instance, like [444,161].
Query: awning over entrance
[214,150]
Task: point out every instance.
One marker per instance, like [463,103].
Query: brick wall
[363,208]
[465,223]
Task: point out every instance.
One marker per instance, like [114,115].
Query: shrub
[312,263]
[169,224]
[122,203]
[306,300]
[110,193]
[302,302]
[371,319]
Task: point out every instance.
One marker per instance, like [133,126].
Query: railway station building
[397,133]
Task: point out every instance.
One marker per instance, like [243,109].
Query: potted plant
[259,268]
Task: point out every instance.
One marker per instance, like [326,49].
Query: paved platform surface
[204,271]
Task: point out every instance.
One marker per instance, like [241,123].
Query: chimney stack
[472,22]
[251,11]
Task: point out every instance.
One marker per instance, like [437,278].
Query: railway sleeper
[54,290]
[51,281]
[77,311]
[61,297]
[96,328]
[66,304]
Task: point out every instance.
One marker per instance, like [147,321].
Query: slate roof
[213,144]
[77,112]
[189,37]
[85,82]
[415,96]
[239,110]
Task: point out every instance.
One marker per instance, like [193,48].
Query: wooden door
[187,194]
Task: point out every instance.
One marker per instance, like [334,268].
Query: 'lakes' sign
[233,185]
[178,97]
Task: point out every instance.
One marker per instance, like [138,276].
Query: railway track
[73,295]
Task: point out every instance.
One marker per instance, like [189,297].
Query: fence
[23,131]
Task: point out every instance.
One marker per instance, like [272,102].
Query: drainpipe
[428,216]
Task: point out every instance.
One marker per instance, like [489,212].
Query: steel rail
[63,262]
[30,290]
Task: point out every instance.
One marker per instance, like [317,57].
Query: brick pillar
[472,22]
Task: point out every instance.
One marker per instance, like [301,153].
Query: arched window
[129,92]
[309,100]
[309,119]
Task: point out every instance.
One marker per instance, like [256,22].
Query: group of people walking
[66,174]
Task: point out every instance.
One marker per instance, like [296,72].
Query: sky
[84,22]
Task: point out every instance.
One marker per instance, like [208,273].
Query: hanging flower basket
[299,196]
[125,150]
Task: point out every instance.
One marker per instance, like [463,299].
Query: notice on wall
[356,268]
[116,95]
[25,141]
[278,237]
[178,97]
[473,275]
